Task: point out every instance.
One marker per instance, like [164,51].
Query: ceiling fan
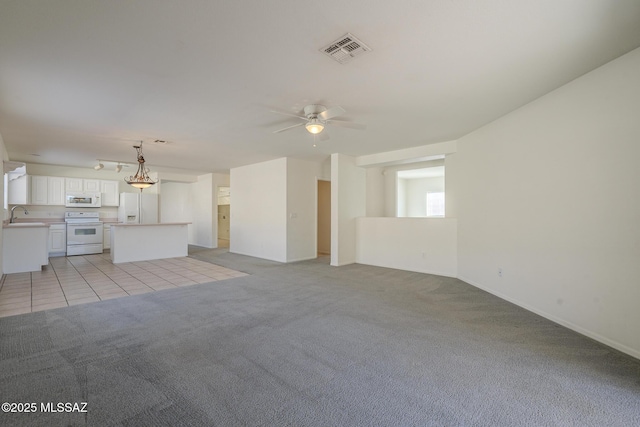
[316,117]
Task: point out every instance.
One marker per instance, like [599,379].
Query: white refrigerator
[138,208]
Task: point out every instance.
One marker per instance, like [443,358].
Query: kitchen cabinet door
[74,185]
[57,240]
[47,190]
[39,190]
[106,240]
[110,194]
[92,185]
[18,190]
[55,190]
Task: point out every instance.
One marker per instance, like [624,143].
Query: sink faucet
[26,212]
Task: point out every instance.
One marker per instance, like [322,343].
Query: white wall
[76,172]
[176,205]
[400,196]
[302,199]
[259,210]
[415,244]
[452,176]
[549,193]
[203,198]
[205,209]
[274,209]
[376,192]
[348,202]
[425,245]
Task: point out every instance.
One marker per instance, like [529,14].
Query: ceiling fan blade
[345,124]
[288,127]
[332,112]
[284,113]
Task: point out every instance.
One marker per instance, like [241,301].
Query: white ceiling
[82,80]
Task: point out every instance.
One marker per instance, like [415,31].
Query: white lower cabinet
[57,240]
[106,242]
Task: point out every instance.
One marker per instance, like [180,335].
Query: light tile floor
[88,278]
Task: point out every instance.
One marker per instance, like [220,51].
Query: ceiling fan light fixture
[314,126]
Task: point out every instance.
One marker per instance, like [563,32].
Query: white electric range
[84,233]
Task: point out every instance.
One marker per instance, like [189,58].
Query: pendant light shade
[141,179]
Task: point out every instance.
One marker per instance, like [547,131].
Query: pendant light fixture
[141,179]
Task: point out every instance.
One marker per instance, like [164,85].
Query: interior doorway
[324,218]
[224,217]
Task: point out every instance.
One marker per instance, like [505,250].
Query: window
[420,192]
[435,204]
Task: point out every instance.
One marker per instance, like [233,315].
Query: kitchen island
[144,242]
[24,247]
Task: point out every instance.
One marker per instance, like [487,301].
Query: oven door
[84,233]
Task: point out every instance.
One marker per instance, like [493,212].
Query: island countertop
[123,224]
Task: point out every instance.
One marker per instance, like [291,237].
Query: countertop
[25,225]
[120,224]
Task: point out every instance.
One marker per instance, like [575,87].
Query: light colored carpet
[307,344]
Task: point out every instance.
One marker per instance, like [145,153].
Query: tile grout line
[83,278]
[177,265]
[116,283]
[59,283]
[87,282]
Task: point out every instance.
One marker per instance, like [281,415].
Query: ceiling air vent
[345,48]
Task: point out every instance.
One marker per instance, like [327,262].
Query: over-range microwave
[82,200]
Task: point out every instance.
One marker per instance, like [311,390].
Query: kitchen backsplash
[57,212]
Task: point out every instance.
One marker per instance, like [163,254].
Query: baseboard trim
[567,324]
[432,272]
[301,259]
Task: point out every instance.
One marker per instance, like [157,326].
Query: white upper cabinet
[19,190]
[51,190]
[74,185]
[110,193]
[92,185]
[55,190]
[39,190]
[47,190]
